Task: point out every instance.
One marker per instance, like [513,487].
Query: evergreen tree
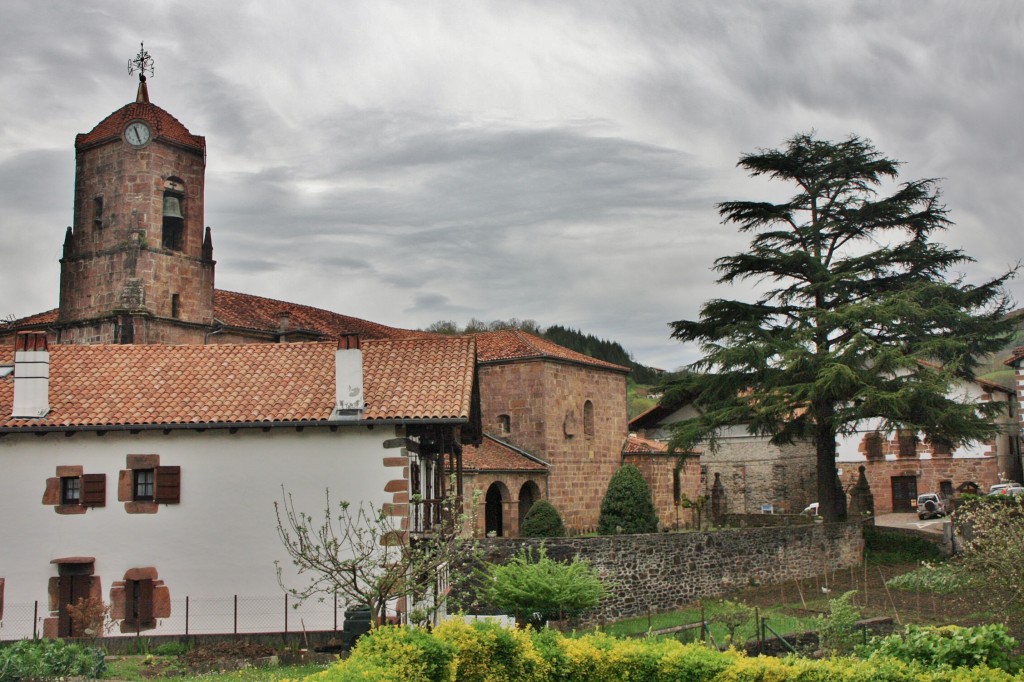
[859,320]
[627,504]
[542,521]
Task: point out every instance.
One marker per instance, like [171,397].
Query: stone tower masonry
[137,265]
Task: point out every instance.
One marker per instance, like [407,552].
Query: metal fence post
[236,614]
[186,616]
[335,611]
[757,628]
[35,620]
[286,613]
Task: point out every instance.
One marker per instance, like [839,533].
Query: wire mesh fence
[236,614]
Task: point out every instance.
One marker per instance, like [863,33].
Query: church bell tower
[137,265]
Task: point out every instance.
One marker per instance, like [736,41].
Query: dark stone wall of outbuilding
[665,571]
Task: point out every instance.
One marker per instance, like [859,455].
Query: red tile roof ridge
[260,313]
[514,344]
[164,126]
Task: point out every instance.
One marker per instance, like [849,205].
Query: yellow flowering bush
[487,652]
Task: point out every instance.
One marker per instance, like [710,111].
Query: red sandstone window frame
[72,491]
[145,484]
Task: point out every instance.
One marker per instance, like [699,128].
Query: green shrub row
[941,578]
[49,659]
[950,645]
[485,652]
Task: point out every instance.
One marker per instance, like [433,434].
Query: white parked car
[930,505]
[811,509]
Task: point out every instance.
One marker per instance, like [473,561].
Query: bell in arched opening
[173,224]
[172,207]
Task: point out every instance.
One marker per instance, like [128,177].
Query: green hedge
[483,652]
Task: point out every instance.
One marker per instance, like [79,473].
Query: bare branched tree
[361,553]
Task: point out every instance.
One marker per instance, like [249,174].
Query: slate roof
[153,385]
[496,455]
[160,122]
[513,344]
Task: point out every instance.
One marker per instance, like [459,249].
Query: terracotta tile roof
[1015,356]
[513,344]
[49,317]
[427,378]
[105,385]
[496,455]
[245,311]
[162,124]
[637,445]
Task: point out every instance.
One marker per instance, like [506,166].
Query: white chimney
[31,376]
[348,379]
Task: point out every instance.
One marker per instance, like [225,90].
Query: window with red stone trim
[72,491]
[139,600]
[145,484]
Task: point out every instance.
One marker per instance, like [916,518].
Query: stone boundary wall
[766,520]
[665,571]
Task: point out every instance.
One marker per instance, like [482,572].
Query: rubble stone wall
[665,571]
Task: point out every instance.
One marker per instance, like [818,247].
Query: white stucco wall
[848,446]
[220,541]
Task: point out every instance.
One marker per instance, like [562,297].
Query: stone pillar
[861,499]
[718,505]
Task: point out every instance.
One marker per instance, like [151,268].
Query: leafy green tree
[732,615]
[536,588]
[837,631]
[862,316]
[542,521]
[627,506]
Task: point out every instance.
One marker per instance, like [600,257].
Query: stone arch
[529,493]
[494,509]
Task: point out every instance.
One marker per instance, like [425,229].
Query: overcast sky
[407,162]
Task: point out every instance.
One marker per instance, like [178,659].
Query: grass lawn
[782,622]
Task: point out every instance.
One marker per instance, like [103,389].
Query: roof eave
[203,426]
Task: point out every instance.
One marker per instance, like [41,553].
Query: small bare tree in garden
[990,531]
[362,554]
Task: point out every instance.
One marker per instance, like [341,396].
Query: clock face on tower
[137,134]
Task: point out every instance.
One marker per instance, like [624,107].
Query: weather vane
[142,63]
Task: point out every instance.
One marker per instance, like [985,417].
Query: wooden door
[904,494]
[70,588]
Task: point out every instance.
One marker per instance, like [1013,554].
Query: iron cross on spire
[142,63]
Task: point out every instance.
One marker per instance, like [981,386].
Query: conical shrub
[542,521]
[627,505]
